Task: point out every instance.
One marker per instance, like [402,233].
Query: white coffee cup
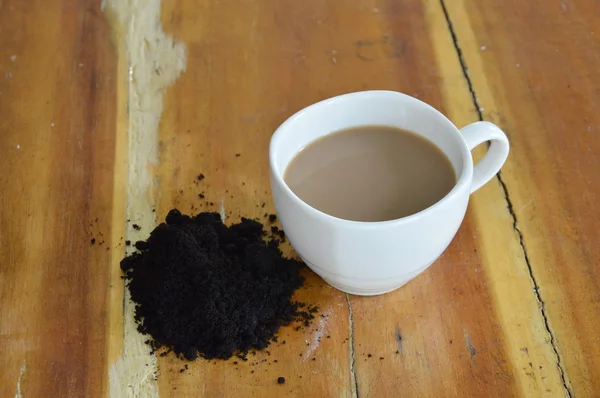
[370,258]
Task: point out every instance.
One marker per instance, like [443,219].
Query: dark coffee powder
[203,288]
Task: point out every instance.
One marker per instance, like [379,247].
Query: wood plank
[237,89]
[162,174]
[57,153]
[470,325]
[535,70]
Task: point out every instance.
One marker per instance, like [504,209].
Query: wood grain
[511,309]
[57,93]
[537,73]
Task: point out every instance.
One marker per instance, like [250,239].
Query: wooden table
[105,116]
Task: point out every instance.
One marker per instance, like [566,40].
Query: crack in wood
[353,378]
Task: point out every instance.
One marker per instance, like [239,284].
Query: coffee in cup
[370,173]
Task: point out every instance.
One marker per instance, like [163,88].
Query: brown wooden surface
[512,307]
[57,146]
[539,77]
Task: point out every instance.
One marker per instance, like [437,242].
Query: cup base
[362,292]
[367,287]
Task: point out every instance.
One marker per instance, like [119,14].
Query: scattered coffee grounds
[185,367]
[203,288]
[281,380]
[93,241]
[136,227]
[275,230]
[272,217]
[200,177]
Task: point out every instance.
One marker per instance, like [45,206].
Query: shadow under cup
[369,258]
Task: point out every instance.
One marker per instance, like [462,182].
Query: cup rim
[459,186]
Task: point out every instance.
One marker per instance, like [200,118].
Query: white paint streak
[318,334]
[18,393]
[469,344]
[525,206]
[222,209]
[155,61]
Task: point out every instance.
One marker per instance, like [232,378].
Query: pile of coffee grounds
[203,288]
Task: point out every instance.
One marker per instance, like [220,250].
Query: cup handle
[477,133]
